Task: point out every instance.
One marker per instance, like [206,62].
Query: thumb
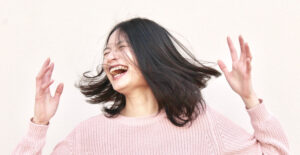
[223,67]
[58,93]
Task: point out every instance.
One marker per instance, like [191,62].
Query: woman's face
[119,64]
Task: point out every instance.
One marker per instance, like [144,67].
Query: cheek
[104,68]
[138,77]
[106,72]
[130,55]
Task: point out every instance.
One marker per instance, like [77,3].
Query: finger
[48,74]
[47,77]
[46,85]
[248,53]
[232,50]
[41,79]
[58,92]
[242,45]
[223,67]
[44,67]
[41,75]
[248,65]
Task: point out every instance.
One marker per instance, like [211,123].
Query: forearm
[268,131]
[34,141]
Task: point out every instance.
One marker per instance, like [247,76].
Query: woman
[157,103]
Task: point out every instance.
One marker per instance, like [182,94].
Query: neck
[140,102]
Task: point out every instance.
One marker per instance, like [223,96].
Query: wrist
[37,121]
[251,101]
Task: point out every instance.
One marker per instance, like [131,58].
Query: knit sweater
[210,134]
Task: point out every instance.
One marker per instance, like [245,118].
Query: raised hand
[239,78]
[45,105]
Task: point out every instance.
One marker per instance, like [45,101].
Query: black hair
[175,81]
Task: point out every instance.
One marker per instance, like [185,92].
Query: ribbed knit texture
[211,134]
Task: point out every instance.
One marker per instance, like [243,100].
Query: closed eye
[108,49]
[105,53]
[122,46]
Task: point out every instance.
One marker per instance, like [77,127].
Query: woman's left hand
[239,78]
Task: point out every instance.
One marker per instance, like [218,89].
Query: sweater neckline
[141,120]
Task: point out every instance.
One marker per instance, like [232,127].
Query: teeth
[116,68]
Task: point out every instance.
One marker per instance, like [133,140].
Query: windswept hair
[175,81]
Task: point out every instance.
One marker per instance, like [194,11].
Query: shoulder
[88,128]
[215,121]
[96,121]
[93,119]
[209,113]
[218,119]
[213,113]
[227,129]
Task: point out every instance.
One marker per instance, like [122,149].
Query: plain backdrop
[72,34]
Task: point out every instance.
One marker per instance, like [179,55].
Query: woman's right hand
[45,105]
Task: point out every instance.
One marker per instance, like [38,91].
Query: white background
[72,34]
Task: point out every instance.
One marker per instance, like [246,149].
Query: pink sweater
[210,134]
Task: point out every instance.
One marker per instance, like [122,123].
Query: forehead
[116,37]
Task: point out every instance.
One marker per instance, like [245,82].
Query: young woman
[157,105]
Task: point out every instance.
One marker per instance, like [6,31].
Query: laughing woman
[157,105]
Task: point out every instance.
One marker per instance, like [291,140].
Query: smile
[119,75]
[118,71]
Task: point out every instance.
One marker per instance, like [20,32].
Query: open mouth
[118,71]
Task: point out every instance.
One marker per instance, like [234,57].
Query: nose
[111,56]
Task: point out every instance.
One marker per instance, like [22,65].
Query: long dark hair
[175,81]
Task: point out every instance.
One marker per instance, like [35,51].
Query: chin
[121,88]
[121,85]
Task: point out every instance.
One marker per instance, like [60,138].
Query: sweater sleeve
[33,142]
[268,137]
[268,131]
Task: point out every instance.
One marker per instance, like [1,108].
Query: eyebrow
[118,43]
